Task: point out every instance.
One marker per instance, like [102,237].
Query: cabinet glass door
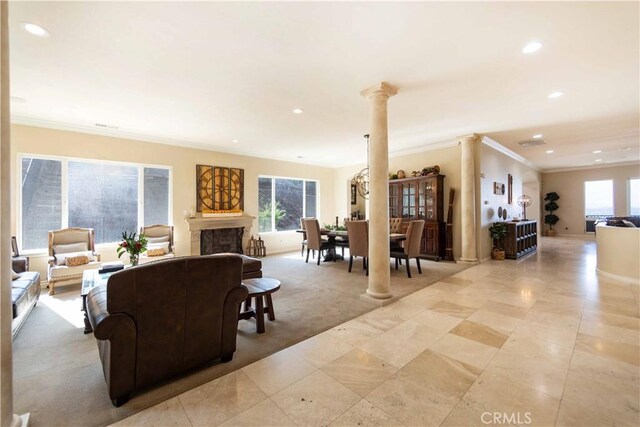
[394,191]
[427,188]
[408,200]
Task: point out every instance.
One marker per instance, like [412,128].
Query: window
[634,196]
[598,198]
[41,205]
[283,201]
[108,197]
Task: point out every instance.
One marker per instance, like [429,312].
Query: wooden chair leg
[418,264]
[366,263]
[319,256]
[350,263]
[307,255]
[396,263]
[302,251]
[408,268]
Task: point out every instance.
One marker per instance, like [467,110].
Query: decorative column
[378,210]
[7,417]
[468,198]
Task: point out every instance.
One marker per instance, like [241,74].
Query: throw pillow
[164,246]
[628,224]
[72,247]
[74,261]
[158,239]
[14,275]
[61,259]
[155,252]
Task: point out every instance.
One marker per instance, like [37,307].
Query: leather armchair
[157,320]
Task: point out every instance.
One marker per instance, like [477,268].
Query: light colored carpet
[58,375]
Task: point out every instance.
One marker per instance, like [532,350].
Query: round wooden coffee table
[260,289]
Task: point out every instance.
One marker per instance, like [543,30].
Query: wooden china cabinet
[421,198]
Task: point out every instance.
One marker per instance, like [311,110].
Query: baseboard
[619,278]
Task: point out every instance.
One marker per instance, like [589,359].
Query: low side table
[260,289]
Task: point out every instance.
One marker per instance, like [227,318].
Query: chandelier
[361,180]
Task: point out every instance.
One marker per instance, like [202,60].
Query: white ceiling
[204,74]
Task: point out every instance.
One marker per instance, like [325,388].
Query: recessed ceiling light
[18,99]
[300,157]
[597,151]
[235,140]
[598,160]
[297,111]
[549,151]
[532,47]
[34,29]
[553,95]
[537,136]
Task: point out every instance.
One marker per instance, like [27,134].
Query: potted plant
[132,244]
[498,230]
[551,206]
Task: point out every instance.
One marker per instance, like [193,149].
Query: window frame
[273,196]
[64,170]
[629,193]
[613,198]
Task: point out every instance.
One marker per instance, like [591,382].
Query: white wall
[34,140]
[495,166]
[570,187]
[447,158]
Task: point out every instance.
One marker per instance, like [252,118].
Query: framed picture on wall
[353,194]
[509,188]
[498,188]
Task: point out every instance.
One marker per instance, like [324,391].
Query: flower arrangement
[132,244]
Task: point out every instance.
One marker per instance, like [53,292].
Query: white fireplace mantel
[196,225]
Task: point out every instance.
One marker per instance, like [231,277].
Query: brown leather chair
[158,320]
[314,239]
[358,232]
[411,246]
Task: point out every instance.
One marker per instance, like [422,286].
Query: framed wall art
[219,188]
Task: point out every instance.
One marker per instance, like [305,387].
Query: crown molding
[504,150]
[430,147]
[603,166]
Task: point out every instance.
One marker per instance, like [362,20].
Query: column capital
[382,88]
[472,138]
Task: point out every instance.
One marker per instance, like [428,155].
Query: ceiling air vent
[531,143]
[105,126]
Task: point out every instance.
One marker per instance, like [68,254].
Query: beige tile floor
[540,341]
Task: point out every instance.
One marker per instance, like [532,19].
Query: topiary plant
[551,206]
[498,230]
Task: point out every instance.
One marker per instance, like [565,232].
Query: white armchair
[160,237]
[68,244]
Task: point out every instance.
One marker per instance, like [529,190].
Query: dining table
[341,238]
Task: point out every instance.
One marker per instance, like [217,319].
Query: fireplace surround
[198,224]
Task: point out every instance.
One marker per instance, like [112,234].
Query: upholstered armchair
[358,232]
[411,246]
[160,239]
[314,239]
[71,252]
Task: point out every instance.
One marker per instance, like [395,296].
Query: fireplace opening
[221,240]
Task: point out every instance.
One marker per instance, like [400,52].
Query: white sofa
[618,250]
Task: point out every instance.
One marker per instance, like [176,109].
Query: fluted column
[379,273]
[468,197]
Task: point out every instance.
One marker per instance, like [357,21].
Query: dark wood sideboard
[521,238]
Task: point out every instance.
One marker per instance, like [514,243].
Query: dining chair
[304,235]
[358,233]
[411,246]
[314,239]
